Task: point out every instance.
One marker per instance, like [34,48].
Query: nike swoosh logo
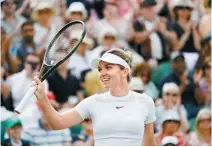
[119,107]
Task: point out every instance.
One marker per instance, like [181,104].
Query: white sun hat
[171,115]
[169,140]
[77,7]
[107,30]
[183,3]
[110,58]
[170,87]
[41,6]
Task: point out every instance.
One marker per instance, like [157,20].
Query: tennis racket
[62,46]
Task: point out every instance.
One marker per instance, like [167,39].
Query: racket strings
[64,44]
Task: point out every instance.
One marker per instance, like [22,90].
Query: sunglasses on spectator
[87,120]
[184,8]
[173,121]
[77,12]
[171,94]
[32,62]
[109,37]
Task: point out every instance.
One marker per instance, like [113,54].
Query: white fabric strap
[111,58]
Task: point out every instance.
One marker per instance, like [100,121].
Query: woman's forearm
[149,142]
[182,40]
[50,114]
[196,39]
[56,120]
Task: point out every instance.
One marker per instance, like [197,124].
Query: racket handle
[28,96]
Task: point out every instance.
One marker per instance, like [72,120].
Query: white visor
[110,58]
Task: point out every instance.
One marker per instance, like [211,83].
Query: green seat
[75,130]
[3,129]
[163,70]
[191,124]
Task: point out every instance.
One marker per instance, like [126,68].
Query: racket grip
[28,96]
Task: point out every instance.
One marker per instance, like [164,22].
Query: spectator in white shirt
[76,11]
[112,19]
[44,30]
[172,102]
[20,82]
[81,59]
[106,40]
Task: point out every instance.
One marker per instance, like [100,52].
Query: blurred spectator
[85,138]
[87,4]
[27,44]
[25,9]
[171,127]
[171,101]
[188,39]
[92,78]
[136,85]
[142,71]
[81,59]
[42,135]
[76,11]
[149,33]
[192,98]
[202,133]
[205,81]
[163,9]
[8,62]
[97,6]
[44,30]
[106,40]
[128,9]
[63,84]
[8,66]
[6,99]
[200,9]
[5,115]
[20,82]
[205,33]
[204,25]
[14,130]
[11,23]
[111,19]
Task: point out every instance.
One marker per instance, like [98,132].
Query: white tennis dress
[118,120]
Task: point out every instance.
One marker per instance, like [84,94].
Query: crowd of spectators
[170,41]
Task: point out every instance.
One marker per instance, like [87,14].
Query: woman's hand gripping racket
[66,41]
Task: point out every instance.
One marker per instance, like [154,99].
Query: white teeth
[105,80]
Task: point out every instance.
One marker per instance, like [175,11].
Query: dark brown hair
[139,68]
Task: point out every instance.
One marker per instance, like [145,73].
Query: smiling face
[111,75]
[184,12]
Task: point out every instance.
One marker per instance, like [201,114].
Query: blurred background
[170,41]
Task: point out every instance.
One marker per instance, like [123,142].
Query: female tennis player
[119,117]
